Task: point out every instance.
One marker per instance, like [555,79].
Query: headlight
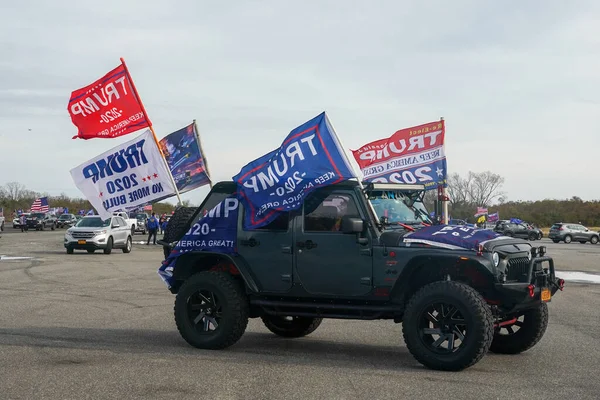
[69,231]
[496,259]
[100,232]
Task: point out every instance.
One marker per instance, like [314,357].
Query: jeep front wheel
[527,329]
[291,327]
[211,310]
[448,326]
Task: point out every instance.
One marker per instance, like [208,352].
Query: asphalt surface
[101,326]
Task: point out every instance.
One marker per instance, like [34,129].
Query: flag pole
[202,154]
[139,100]
[446,219]
[343,149]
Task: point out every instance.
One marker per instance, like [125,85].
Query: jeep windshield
[395,207]
[94,222]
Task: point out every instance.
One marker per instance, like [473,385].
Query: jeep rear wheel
[211,310]
[291,327]
[448,326]
[523,334]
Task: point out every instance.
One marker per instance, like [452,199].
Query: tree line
[484,189]
[15,196]
[476,189]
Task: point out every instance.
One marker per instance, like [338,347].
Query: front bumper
[95,243]
[525,294]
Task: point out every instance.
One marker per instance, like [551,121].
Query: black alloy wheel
[204,311]
[442,328]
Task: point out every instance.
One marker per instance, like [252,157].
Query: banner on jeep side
[216,231]
[125,177]
[186,159]
[310,157]
[455,237]
[107,108]
[413,155]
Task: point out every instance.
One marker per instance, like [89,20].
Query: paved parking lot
[100,326]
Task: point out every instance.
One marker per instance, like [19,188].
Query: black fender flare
[447,264]
[185,263]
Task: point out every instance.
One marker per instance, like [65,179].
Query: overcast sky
[518,82]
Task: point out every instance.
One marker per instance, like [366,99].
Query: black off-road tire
[179,224]
[530,331]
[109,246]
[476,315]
[291,327]
[234,310]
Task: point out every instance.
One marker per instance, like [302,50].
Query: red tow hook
[504,323]
[561,284]
[531,290]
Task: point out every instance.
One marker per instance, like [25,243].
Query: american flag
[40,205]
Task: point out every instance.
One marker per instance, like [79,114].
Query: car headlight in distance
[495,259]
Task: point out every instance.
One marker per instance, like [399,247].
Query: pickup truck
[131,222]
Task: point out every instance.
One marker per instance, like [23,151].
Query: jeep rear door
[328,261]
[268,253]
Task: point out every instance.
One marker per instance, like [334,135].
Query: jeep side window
[327,215]
[280,224]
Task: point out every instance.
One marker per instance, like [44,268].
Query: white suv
[93,233]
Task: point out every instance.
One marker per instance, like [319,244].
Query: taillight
[561,229]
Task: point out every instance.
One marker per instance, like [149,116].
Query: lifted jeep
[334,259]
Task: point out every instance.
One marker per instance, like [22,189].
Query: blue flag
[310,157]
[455,237]
[216,231]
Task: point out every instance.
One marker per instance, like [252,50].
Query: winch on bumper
[526,281]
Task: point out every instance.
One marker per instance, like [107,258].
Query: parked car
[522,230]
[140,225]
[131,222]
[568,232]
[66,220]
[93,233]
[40,221]
[17,221]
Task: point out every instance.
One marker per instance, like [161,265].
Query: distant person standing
[22,222]
[153,226]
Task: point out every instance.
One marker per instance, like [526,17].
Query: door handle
[309,244]
[251,242]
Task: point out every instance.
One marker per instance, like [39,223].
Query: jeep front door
[268,253]
[328,261]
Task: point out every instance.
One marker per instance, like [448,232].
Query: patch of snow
[575,276]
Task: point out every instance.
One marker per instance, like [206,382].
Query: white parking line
[574,276]
[10,258]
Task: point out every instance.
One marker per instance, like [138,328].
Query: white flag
[125,177]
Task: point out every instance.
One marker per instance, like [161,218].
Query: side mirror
[352,225]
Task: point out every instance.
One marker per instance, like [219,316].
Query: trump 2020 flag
[413,155]
[455,237]
[310,157]
[125,177]
[216,232]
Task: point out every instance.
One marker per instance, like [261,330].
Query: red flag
[107,108]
